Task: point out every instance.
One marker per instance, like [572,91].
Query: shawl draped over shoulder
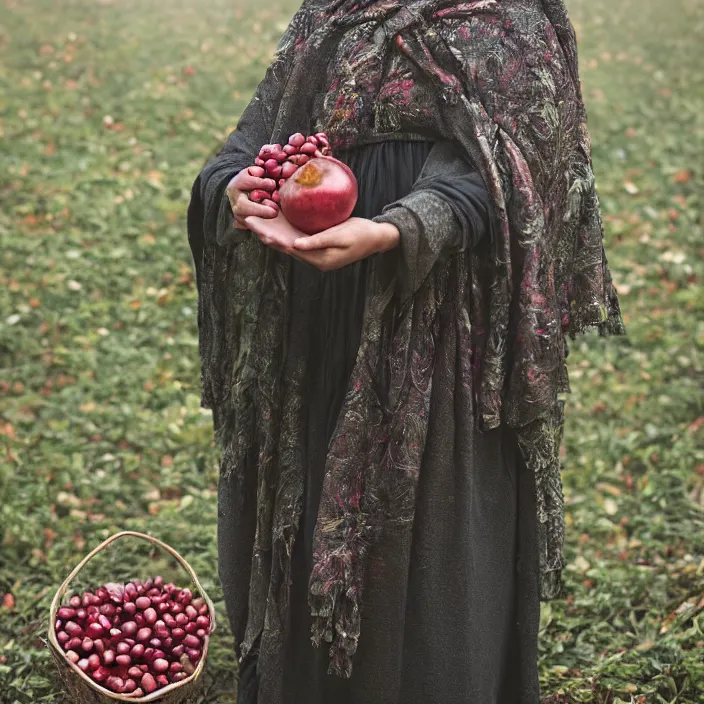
[499,78]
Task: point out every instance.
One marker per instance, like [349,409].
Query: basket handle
[155,541]
[157,695]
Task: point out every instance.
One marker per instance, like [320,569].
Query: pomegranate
[280,163]
[319,195]
[100,631]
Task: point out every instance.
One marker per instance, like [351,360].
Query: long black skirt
[453,617]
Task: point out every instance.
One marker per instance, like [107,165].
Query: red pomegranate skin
[319,195]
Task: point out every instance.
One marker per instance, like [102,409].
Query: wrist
[389,235]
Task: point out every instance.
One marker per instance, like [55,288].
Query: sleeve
[209,212]
[211,233]
[446,212]
[210,217]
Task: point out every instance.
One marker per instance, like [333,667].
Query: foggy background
[108,109]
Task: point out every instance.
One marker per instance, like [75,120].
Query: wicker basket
[84,690]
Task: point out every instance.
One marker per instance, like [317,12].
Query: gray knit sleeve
[446,212]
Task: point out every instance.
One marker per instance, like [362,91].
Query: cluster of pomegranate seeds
[134,638]
[280,163]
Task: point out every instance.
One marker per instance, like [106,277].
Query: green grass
[108,108]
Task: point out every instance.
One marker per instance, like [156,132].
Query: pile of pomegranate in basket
[134,638]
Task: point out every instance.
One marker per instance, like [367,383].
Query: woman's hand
[354,239]
[242,207]
[277,232]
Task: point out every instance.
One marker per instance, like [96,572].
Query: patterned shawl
[500,78]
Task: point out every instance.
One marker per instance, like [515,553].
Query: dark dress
[460,623]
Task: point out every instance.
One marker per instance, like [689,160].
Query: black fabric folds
[454,618]
[498,79]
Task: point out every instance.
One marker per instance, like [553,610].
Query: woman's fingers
[265,214]
[279,224]
[255,224]
[323,240]
[244,182]
[274,232]
[244,208]
[323,259]
[342,235]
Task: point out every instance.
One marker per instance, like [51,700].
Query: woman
[386,393]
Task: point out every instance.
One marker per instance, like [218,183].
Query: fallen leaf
[8,430]
[8,602]
[63,498]
[609,489]
[683,176]
[611,507]
[49,537]
[695,425]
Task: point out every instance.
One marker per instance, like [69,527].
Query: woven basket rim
[61,592]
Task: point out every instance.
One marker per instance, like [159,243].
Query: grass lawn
[108,109]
